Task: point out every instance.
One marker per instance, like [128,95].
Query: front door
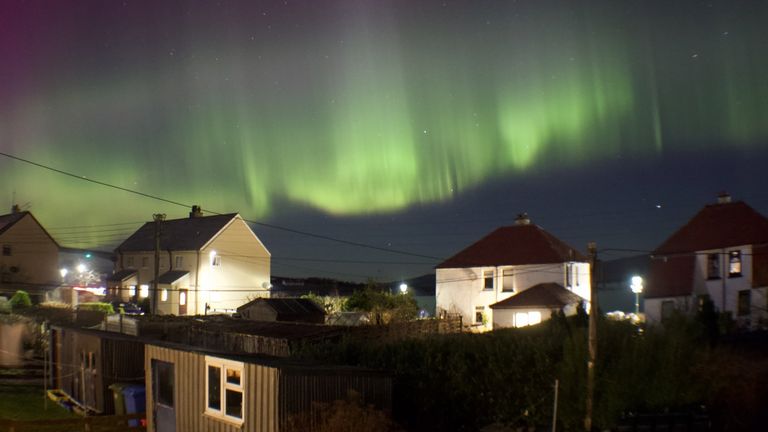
[163,396]
[182,301]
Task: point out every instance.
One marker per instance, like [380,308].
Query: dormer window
[734,264]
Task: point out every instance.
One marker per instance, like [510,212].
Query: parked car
[127,308]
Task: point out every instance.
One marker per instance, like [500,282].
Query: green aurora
[361,107]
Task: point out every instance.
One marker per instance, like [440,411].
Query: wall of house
[260,408]
[243,273]
[731,285]
[653,307]
[462,290]
[34,256]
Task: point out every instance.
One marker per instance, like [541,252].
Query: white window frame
[223,365]
[179,262]
[508,275]
[489,274]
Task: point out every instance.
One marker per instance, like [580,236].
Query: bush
[20,300]
[97,306]
[349,415]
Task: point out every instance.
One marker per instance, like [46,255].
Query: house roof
[718,226]
[171,276]
[287,307]
[514,245]
[670,276]
[121,275]
[185,234]
[8,220]
[543,295]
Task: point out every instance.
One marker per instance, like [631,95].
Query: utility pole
[158,218]
[593,307]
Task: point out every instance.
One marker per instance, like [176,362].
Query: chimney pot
[723,198]
[196,212]
[15,209]
[523,219]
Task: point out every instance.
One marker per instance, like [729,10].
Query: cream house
[508,261]
[29,256]
[208,264]
[721,254]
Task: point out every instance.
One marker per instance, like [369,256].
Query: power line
[185,205]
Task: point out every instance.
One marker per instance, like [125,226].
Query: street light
[637,288]
[403,287]
[63,272]
[81,268]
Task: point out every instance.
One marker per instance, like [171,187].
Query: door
[182,301]
[163,396]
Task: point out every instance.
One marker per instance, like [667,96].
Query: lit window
[713,266]
[488,280]
[132,290]
[179,262]
[523,319]
[508,280]
[225,390]
[6,250]
[144,291]
[182,298]
[164,295]
[734,267]
[745,302]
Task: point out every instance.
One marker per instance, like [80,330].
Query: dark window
[734,264]
[234,403]
[6,250]
[667,309]
[568,275]
[144,262]
[744,302]
[479,315]
[488,280]
[508,280]
[164,382]
[214,388]
[713,266]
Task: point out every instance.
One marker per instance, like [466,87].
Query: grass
[29,403]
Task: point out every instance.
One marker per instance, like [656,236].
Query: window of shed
[224,389]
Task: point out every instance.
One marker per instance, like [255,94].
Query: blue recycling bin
[135,397]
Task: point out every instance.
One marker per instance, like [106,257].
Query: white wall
[461,290]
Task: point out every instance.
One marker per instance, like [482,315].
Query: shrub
[20,300]
[97,306]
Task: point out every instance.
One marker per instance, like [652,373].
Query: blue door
[163,396]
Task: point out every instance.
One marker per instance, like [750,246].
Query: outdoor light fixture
[403,287]
[63,272]
[637,287]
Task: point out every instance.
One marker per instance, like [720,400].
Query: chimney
[723,198]
[15,209]
[522,219]
[196,212]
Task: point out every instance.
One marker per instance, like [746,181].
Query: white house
[207,264]
[721,254]
[504,263]
[29,256]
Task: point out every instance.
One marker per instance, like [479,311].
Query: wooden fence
[122,423]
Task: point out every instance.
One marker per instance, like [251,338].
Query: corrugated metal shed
[274,388]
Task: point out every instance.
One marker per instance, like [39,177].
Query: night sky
[417,126]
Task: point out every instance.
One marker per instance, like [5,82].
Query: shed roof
[544,295]
[718,226]
[121,275]
[514,245]
[171,276]
[187,234]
